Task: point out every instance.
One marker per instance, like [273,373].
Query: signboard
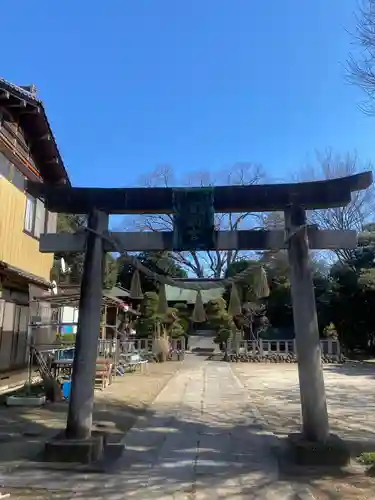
[194,219]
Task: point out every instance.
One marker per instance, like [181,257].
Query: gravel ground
[350,392]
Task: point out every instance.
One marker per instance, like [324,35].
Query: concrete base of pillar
[334,452]
[85,451]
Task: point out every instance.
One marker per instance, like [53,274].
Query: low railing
[145,346]
[262,347]
[110,347]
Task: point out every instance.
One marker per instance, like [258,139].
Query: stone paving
[201,440]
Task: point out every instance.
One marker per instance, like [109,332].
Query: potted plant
[29,395]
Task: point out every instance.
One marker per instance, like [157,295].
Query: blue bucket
[66,388]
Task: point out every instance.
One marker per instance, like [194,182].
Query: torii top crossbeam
[254,198]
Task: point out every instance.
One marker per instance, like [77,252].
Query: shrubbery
[218,319]
[150,319]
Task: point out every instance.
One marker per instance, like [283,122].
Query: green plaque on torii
[194,219]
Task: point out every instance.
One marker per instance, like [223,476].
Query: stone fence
[280,348]
[145,346]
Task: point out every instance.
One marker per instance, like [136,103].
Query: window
[11,173]
[36,217]
[19,180]
[5,167]
[51,222]
[46,221]
[40,219]
[30,214]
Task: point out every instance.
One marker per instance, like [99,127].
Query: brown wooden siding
[17,248]
[16,138]
[14,141]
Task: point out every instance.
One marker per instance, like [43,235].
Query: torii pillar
[81,402]
[78,444]
[315,445]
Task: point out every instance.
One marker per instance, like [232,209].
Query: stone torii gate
[194,211]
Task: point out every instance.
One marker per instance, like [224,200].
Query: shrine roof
[118,291]
[176,294]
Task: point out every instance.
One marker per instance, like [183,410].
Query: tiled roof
[21,90]
[38,124]
[24,274]
[118,291]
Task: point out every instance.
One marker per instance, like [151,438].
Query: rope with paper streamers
[199,314]
[167,280]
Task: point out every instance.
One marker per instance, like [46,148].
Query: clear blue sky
[196,84]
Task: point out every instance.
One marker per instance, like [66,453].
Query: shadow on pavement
[158,455]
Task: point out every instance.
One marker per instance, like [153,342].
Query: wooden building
[117,313]
[123,316]
[28,150]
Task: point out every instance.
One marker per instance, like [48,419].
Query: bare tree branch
[361,68]
[358,212]
[213,263]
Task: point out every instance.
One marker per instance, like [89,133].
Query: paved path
[200,440]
